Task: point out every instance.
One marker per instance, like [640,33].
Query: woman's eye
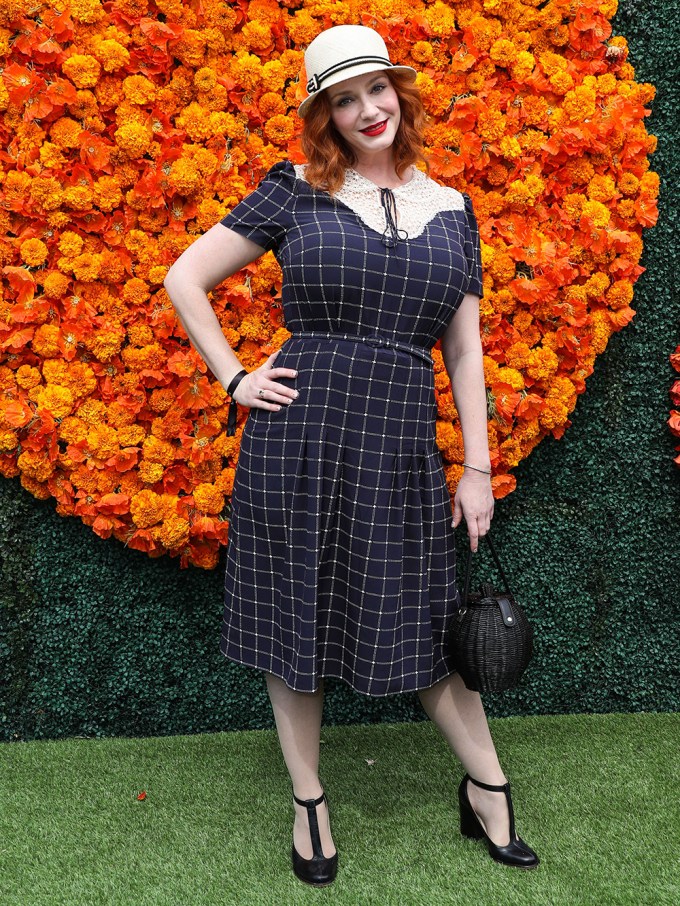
[379,86]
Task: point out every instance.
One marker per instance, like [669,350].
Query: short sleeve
[265,214]
[473,250]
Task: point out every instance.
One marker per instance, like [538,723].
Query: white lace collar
[417,201]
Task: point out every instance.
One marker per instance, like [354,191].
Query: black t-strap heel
[318,870]
[516,852]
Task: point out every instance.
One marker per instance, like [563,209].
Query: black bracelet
[233,406]
[235,381]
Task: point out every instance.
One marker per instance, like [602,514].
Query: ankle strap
[489,786]
[310,801]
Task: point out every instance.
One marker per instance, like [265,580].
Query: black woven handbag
[490,639]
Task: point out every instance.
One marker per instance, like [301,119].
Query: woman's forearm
[203,329]
[469,394]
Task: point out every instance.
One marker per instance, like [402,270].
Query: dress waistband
[375,340]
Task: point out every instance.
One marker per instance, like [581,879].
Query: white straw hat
[342,52]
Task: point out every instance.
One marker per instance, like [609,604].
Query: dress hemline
[338,676]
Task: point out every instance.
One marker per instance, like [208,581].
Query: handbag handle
[498,564]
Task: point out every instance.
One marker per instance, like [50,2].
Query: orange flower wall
[130,127]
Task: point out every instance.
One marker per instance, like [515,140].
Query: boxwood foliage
[96,640]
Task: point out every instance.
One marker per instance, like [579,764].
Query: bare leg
[459,714]
[298,724]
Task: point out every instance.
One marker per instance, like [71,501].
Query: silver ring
[260,393]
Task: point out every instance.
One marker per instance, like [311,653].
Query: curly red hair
[329,155]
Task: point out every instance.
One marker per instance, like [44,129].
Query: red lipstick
[377,129]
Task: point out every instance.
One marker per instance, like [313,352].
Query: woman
[341,557]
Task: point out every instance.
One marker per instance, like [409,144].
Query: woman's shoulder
[282,170]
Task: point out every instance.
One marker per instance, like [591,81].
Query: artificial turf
[596,795]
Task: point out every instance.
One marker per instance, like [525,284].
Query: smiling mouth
[376,129]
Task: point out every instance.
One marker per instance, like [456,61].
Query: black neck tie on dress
[392,233]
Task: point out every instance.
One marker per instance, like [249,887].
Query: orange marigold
[86,267]
[55,285]
[38,488]
[246,69]
[139,90]
[649,184]
[208,498]
[131,435]
[66,132]
[146,508]
[256,36]
[195,120]
[106,193]
[553,414]
[601,188]
[92,411]
[35,465]
[79,198]
[523,66]
[628,184]
[185,177]
[51,156]
[595,286]
[45,342]
[561,82]
[33,252]
[106,343]
[543,365]
[525,192]
[174,532]
[110,54]
[157,450]
[580,104]
[273,77]
[534,110]
[597,212]
[103,441]
[441,19]
[279,129]
[82,69]
[134,139]
[9,441]
[27,377]
[56,400]
[503,52]
[136,292]
[601,330]
[422,52]
[150,472]
[620,294]
[86,11]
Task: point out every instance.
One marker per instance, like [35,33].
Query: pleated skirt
[341,558]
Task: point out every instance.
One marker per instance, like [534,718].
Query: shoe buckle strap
[312,817]
[502,788]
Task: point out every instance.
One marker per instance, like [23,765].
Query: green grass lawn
[595,795]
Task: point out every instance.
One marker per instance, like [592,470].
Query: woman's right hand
[259,389]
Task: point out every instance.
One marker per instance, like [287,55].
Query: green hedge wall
[96,640]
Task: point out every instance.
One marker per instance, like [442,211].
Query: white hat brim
[350,73]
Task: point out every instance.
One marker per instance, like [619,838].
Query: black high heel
[517,852]
[318,870]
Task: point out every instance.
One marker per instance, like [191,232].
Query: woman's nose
[369,108]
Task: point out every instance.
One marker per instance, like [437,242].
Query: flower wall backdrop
[130,127]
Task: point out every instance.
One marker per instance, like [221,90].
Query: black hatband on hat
[314,84]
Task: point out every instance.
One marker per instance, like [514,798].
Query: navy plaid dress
[341,558]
